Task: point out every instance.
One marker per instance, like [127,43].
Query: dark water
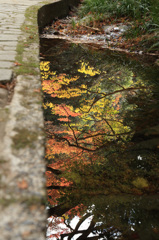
[102,126]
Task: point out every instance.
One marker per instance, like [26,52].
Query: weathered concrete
[5,64]
[22,166]
[6,74]
[7,57]
[3,97]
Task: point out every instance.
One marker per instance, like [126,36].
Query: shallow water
[101,117]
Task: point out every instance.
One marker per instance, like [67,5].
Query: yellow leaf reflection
[44,66]
[86,69]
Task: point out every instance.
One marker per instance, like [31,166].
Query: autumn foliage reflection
[87,122]
[92,115]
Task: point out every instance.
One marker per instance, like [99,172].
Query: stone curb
[22,166]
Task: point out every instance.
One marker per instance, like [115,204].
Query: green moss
[2,161]
[20,49]
[6,202]
[29,97]
[30,35]
[27,92]
[28,201]
[24,138]
[7,110]
[25,70]
[35,200]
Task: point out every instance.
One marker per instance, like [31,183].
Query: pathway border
[22,166]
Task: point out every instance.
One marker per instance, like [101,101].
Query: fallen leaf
[155,230]
[37,90]
[23,184]
[3,86]
[26,234]
[17,64]
[120,38]
[33,207]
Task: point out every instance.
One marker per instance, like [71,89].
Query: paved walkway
[11,18]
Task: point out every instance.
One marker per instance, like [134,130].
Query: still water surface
[102,126]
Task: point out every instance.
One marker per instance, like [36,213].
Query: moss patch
[6,202]
[35,200]
[2,161]
[26,62]
[24,138]
[28,201]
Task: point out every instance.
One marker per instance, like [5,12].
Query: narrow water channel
[102,125]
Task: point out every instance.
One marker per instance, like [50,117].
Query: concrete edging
[22,165]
